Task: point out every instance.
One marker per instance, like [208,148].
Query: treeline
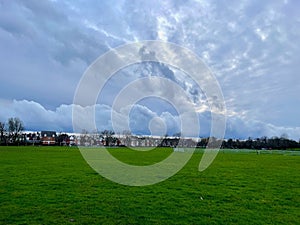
[11,132]
[262,143]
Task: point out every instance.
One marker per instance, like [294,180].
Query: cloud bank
[36,117]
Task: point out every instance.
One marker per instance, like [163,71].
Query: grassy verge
[54,185]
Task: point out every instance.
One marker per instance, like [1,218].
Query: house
[48,137]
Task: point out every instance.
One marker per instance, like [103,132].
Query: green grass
[54,185]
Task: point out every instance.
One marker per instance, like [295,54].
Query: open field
[54,185]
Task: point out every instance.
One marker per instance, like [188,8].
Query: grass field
[54,185]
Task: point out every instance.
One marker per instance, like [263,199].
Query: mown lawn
[54,185]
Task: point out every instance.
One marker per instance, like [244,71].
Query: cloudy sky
[252,47]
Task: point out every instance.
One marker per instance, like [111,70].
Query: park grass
[54,185]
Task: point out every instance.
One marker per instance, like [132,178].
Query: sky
[252,47]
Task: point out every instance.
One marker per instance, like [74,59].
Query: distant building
[48,137]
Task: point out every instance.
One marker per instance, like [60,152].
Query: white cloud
[141,120]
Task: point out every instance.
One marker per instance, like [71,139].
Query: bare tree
[2,130]
[107,135]
[127,137]
[15,127]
